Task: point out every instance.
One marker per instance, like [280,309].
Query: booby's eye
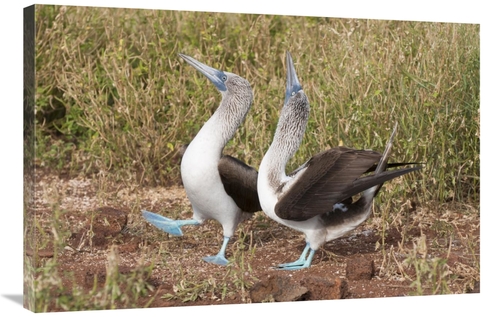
[293,93]
[224,78]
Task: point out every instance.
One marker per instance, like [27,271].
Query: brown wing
[331,177]
[351,214]
[240,182]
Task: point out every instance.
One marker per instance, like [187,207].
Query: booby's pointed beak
[292,81]
[217,77]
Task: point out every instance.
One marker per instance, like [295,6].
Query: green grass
[114,98]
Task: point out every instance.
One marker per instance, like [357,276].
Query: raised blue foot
[220,258]
[166,224]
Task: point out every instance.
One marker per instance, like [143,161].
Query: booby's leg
[302,262]
[220,258]
[166,224]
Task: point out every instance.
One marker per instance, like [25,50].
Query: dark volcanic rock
[283,289]
[277,289]
[359,268]
[320,288]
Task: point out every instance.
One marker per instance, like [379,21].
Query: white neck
[221,127]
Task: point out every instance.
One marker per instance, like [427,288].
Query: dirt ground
[101,224]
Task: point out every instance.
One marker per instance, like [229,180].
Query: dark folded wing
[324,182]
[331,177]
[240,182]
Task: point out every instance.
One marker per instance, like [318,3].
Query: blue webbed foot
[289,267]
[220,258]
[166,224]
[216,259]
[301,263]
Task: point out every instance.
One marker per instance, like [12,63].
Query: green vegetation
[114,102]
[114,98]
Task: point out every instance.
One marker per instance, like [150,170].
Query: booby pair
[219,187]
[317,198]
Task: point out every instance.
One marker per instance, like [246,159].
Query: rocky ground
[92,229]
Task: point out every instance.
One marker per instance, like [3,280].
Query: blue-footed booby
[219,187]
[317,198]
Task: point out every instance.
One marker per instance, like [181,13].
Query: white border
[436,11]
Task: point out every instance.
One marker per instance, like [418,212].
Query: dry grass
[114,98]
